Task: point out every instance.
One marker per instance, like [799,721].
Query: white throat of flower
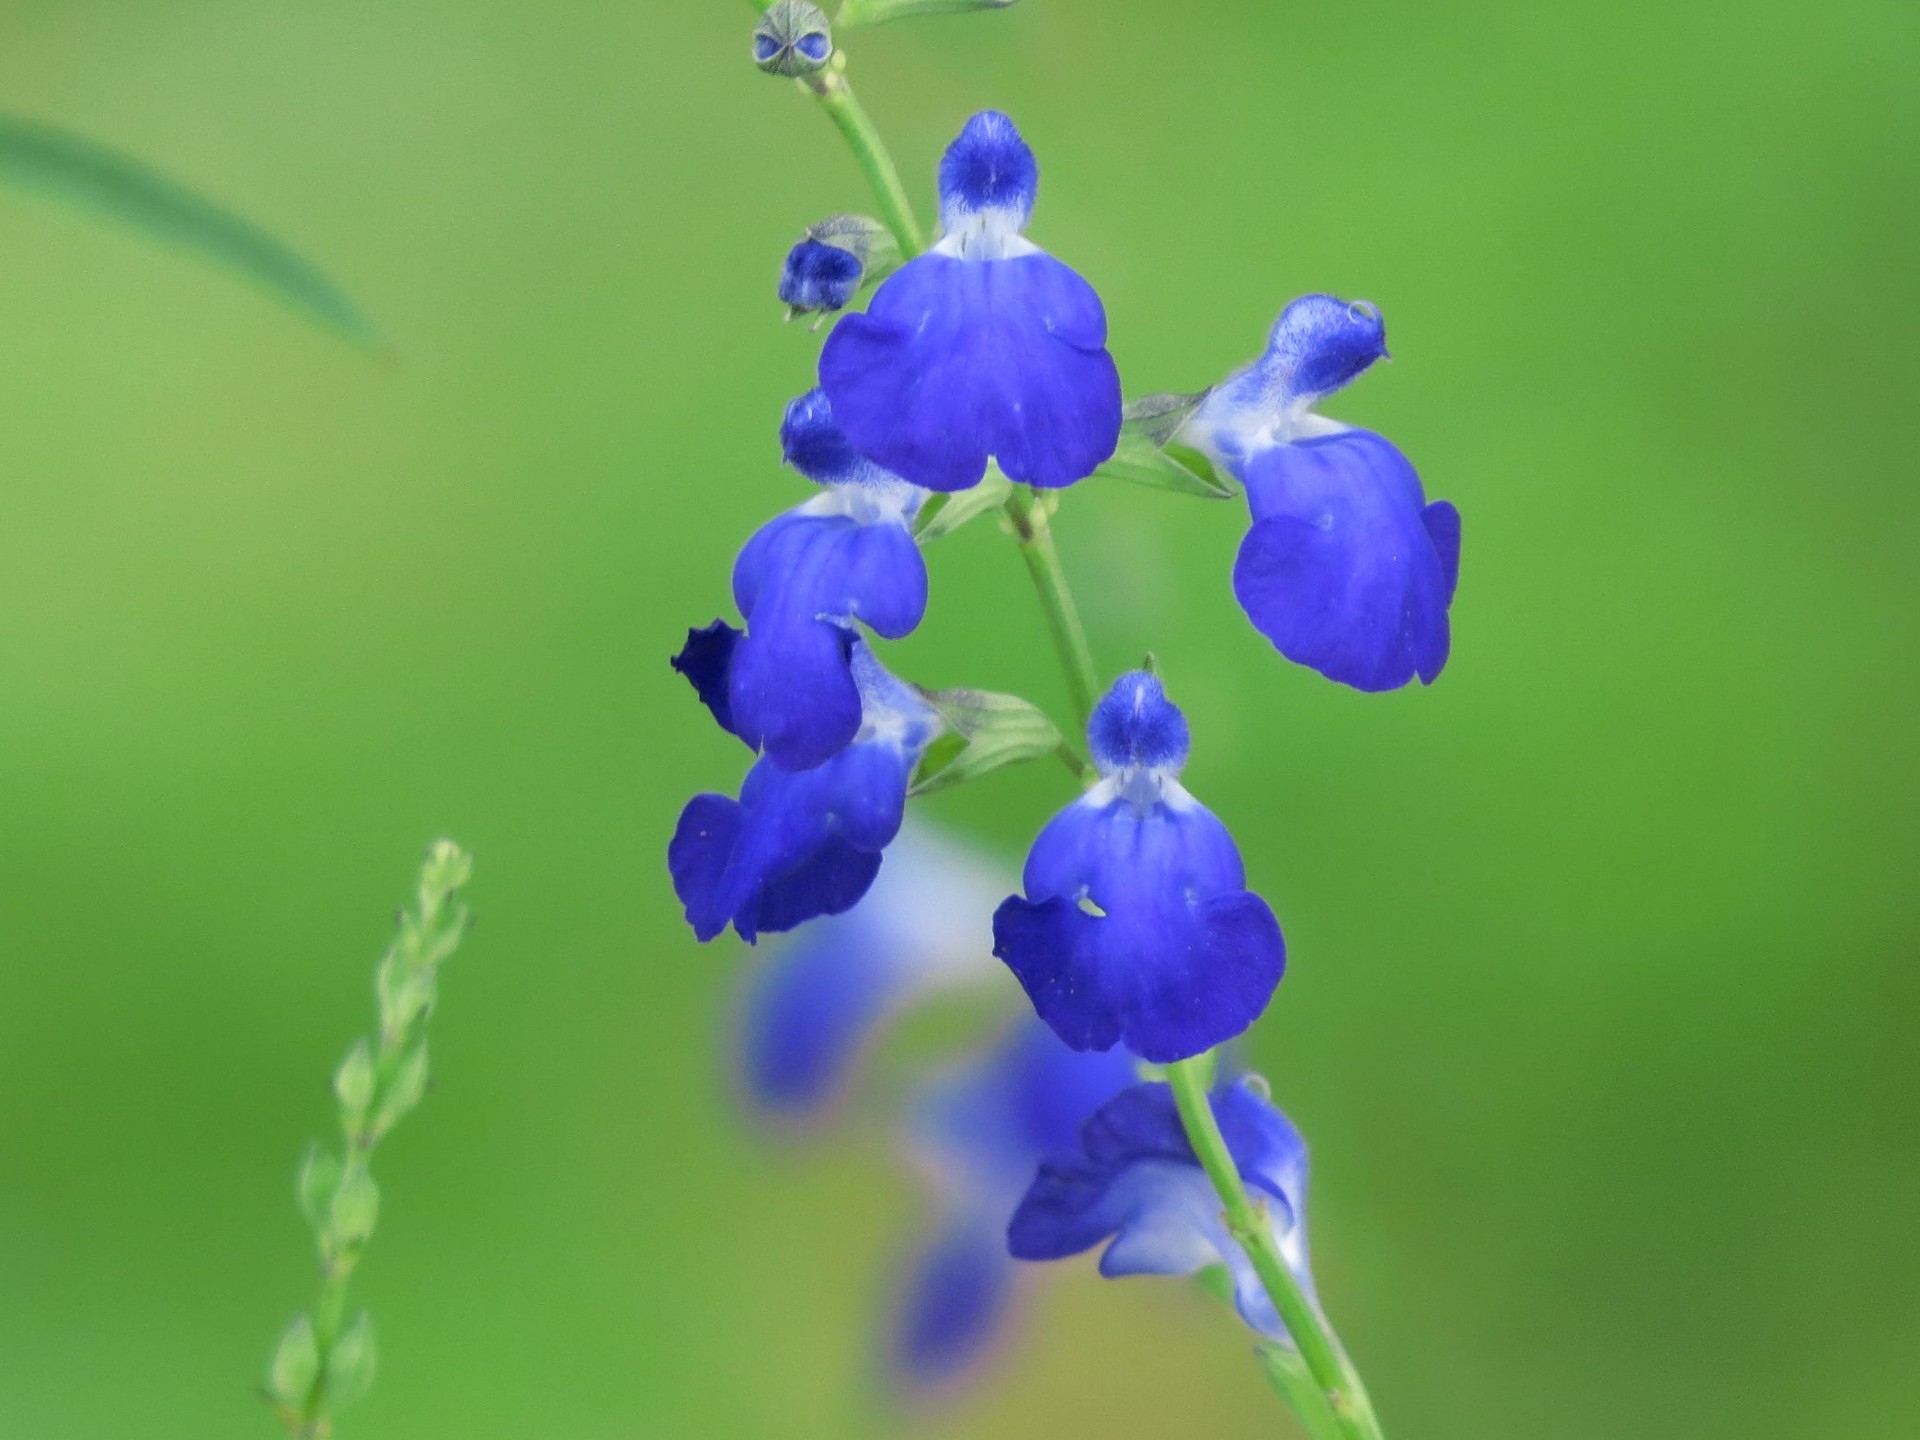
[990,233]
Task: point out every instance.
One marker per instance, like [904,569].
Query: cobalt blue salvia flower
[786,685]
[979,1133]
[986,347]
[1137,925]
[812,1008]
[1347,569]
[800,844]
[833,260]
[1133,1179]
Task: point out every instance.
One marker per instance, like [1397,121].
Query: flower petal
[958,361]
[953,1300]
[1341,570]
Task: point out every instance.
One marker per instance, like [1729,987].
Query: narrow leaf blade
[90,176]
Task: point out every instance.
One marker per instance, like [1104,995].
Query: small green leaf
[1159,417]
[875,12]
[351,1366]
[356,1206]
[944,514]
[1287,1373]
[353,1081]
[319,1178]
[993,731]
[296,1361]
[92,177]
[403,1092]
[1165,467]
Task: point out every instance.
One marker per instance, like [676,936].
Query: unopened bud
[792,38]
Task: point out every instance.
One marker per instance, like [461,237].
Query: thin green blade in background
[78,171]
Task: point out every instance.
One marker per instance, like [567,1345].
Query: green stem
[1029,520]
[836,97]
[1246,1221]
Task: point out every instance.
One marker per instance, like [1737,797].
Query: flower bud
[833,260]
[792,39]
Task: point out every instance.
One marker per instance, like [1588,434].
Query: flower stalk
[1333,1373]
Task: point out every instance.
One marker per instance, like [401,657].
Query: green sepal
[403,1092]
[353,1083]
[295,1364]
[355,1208]
[875,12]
[947,512]
[1165,465]
[984,732]
[1159,417]
[351,1365]
[1287,1373]
[319,1178]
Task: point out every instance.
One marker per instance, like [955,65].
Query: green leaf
[991,730]
[403,1092]
[351,1366]
[1159,417]
[296,1361]
[353,1082]
[875,12]
[92,177]
[319,1178]
[944,514]
[356,1206]
[1287,1373]
[1165,467]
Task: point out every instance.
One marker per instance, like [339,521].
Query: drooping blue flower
[786,686]
[1133,1177]
[1347,569]
[979,1133]
[1137,925]
[821,995]
[805,843]
[984,348]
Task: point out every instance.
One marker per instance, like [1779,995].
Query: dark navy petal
[1136,927]
[801,582]
[1341,571]
[952,1303]
[706,660]
[697,857]
[819,277]
[958,361]
[811,1008]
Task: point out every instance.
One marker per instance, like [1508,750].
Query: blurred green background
[1601,1015]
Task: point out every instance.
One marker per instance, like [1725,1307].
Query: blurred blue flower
[786,685]
[821,995]
[1347,569]
[1137,925]
[800,844]
[1133,1177]
[979,1133]
[986,347]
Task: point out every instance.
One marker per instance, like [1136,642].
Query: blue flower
[811,1009]
[1134,1177]
[979,1133]
[1137,925]
[1347,569]
[786,686]
[984,348]
[799,844]
[818,276]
